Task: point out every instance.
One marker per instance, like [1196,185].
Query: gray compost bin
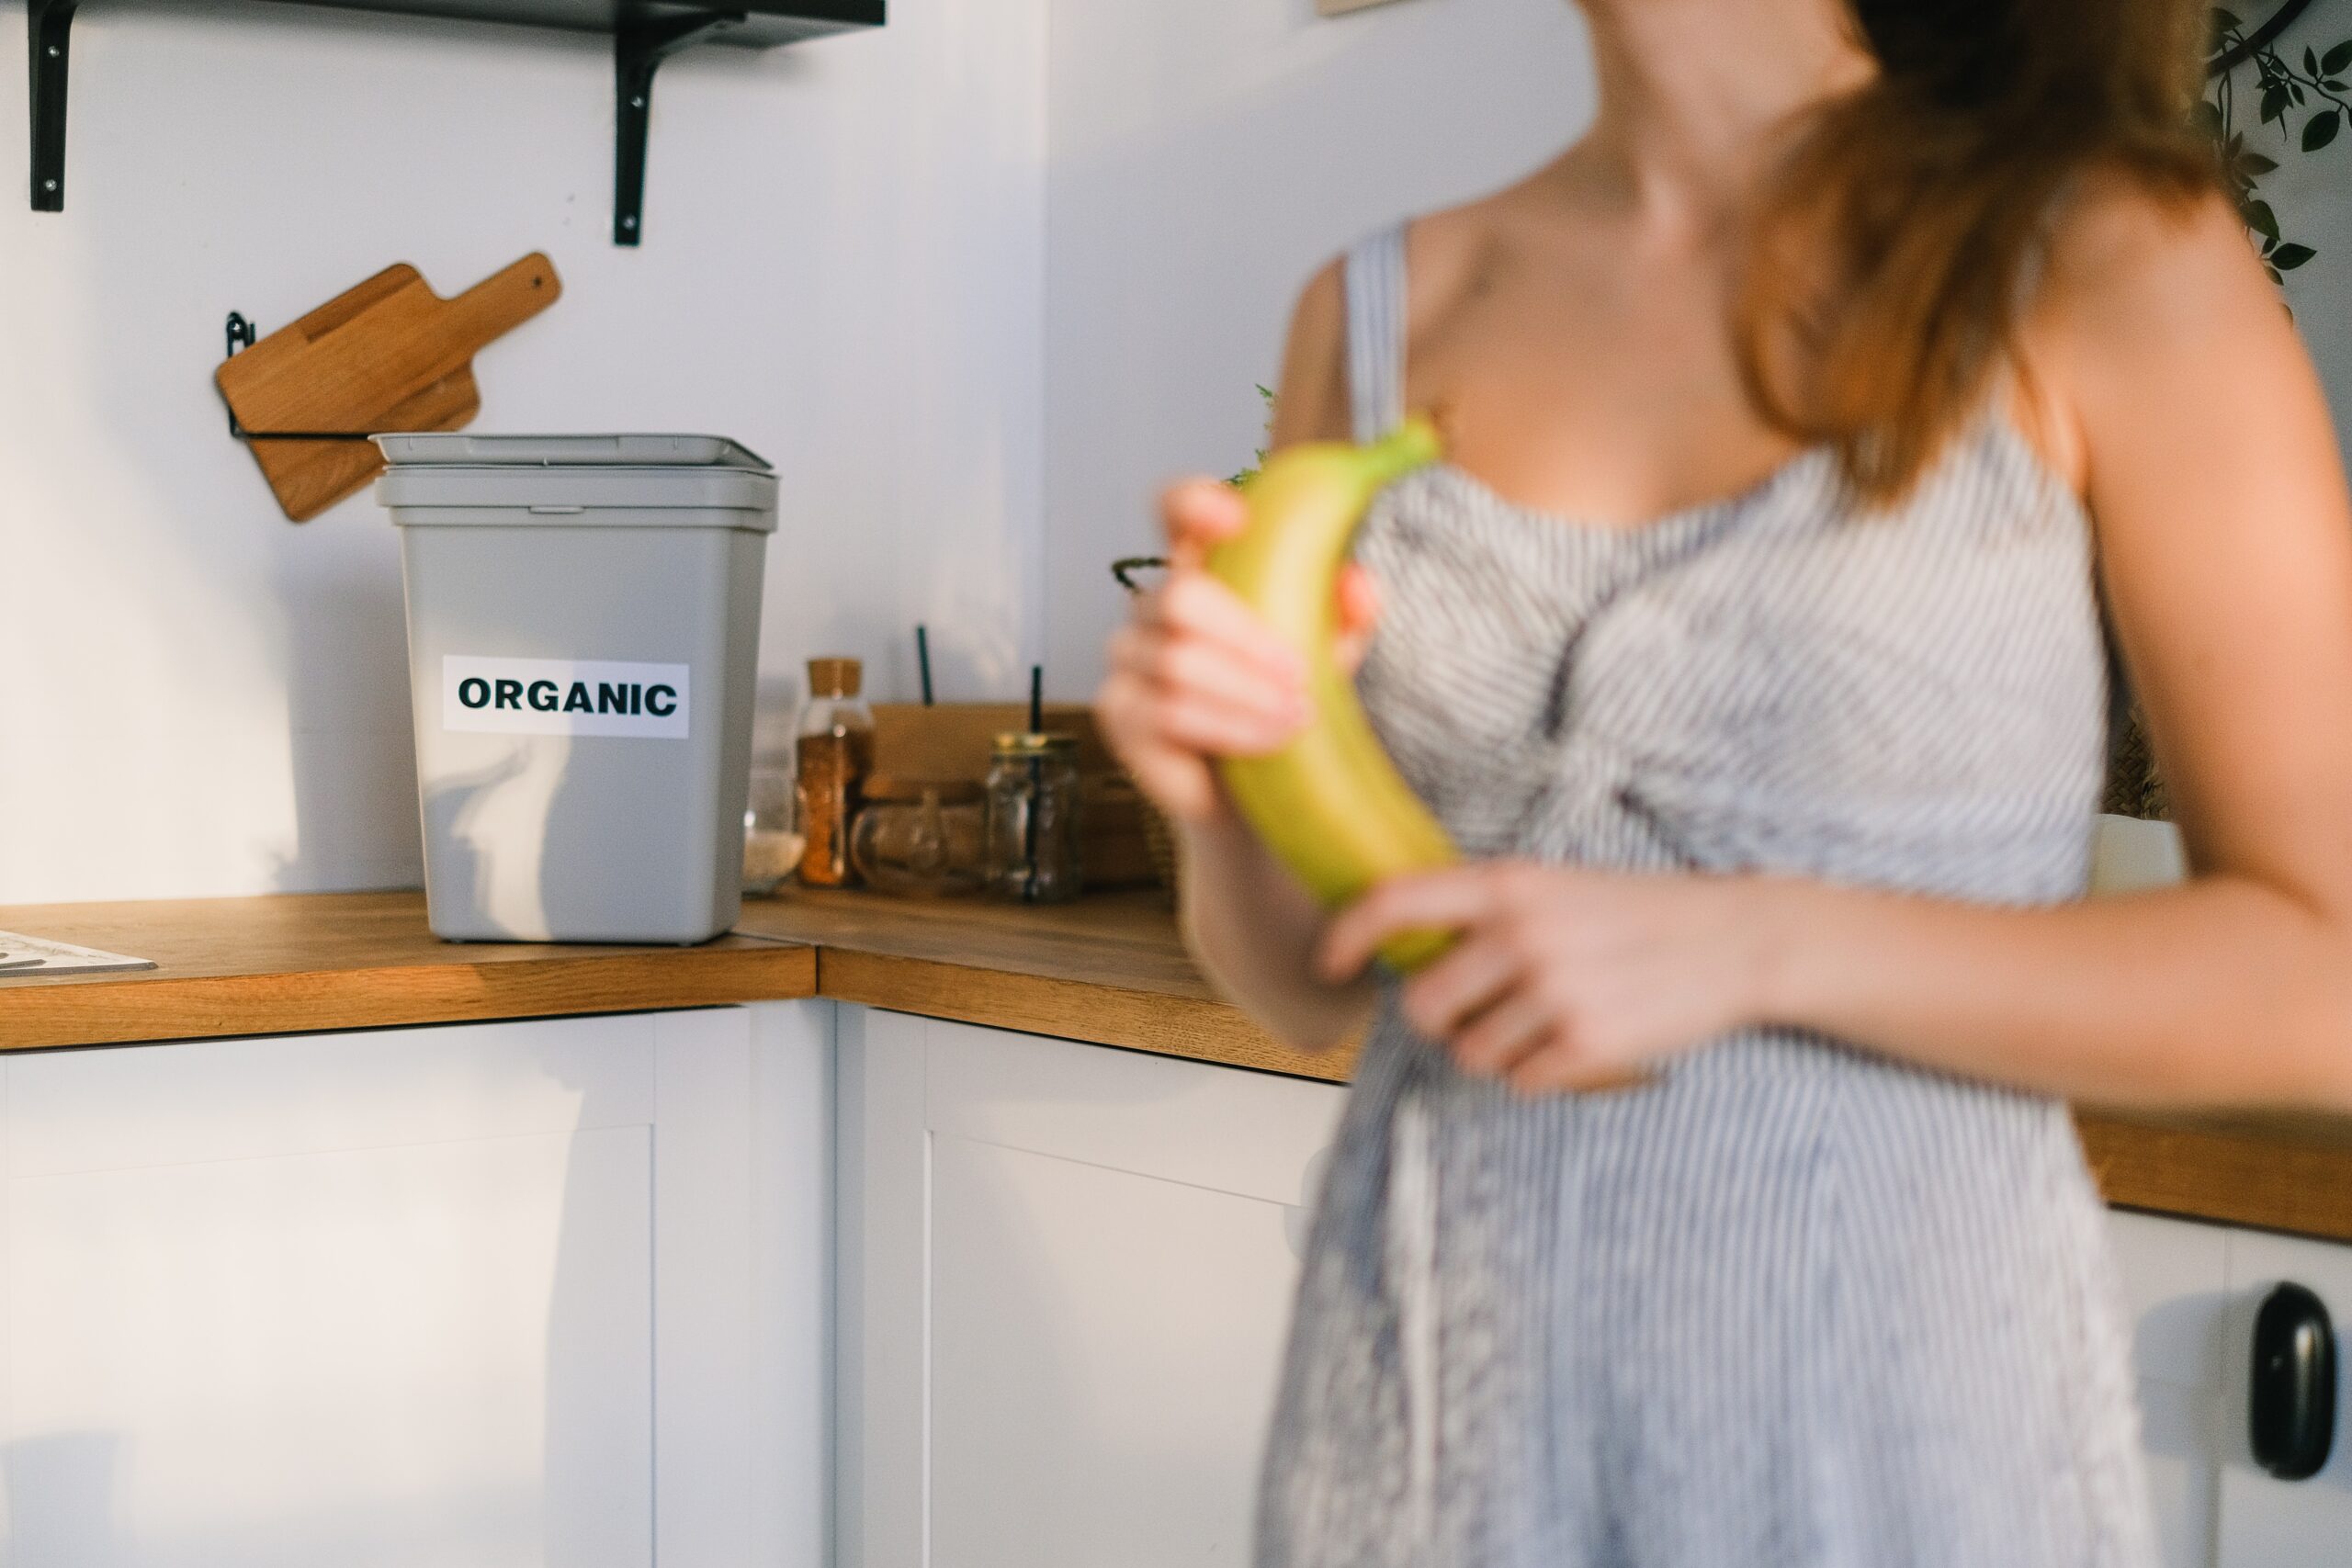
[583,628]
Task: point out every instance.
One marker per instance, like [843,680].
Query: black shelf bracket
[49,37]
[639,46]
[638,53]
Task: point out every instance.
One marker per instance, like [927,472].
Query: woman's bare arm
[1248,924]
[2225,548]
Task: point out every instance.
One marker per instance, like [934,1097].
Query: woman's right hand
[1196,675]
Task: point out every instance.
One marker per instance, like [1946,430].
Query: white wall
[2308,191]
[977,283]
[1208,155]
[867,259]
[842,268]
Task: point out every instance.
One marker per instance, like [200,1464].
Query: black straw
[923,661]
[1037,699]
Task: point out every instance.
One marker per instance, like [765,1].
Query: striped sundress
[1791,1306]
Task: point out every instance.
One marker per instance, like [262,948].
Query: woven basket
[1159,839]
[2133,788]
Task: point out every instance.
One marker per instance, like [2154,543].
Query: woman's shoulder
[2121,229]
[2133,266]
[1442,252]
[2143,287]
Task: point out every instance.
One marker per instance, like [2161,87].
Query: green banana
[1330,805]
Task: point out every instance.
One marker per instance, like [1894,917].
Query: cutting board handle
[502,301]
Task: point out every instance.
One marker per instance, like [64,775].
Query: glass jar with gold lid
[1033,819]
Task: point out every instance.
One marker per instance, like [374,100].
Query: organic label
[564,696]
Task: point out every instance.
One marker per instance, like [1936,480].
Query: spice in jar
[1033,819]
[834,752]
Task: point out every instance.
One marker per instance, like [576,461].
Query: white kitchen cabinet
[2175,1288]
[2193,1290]
[543,1292]
[2266,1522]
[1067,1272]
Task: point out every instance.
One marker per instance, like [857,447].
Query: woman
[1804,417]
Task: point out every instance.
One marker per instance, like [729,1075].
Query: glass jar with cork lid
[834,752]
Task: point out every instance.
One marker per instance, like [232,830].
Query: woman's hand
[1567,979]
[1195,675]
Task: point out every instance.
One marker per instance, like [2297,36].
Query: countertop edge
[148,1008]
[1087,1011]
[1109,972]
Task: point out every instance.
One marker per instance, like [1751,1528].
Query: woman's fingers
[1180,786]
[1557,1066]
[1512,1032]
[1178,667]
[1477,973]
[1358,593]
[1197,514]
[1191,670]
[1194,605]
[1209,729]
[1202,512]
[1438,900]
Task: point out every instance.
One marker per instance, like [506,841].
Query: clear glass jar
[919,836]
[1033,853]
[834,751]
[772,844]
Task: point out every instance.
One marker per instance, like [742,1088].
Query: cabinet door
[2266,1522]
[1067,1277]
[467,1295]
[2176,1281]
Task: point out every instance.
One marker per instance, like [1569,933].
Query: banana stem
[1412,445]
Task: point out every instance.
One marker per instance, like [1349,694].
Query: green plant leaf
[2226,20]
[2289,256]
[2320,130]
[2274,275]
[2295,91]
[2336,59]
[2311,61]
[2274,103]
[2255,165]
[2261,219]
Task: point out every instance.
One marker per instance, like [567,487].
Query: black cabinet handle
[2294,1384]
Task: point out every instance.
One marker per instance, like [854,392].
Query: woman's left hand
[1567,979]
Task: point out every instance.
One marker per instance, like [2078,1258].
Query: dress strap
[1376,292]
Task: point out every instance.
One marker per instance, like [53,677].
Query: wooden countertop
[302,962]
[1109,970]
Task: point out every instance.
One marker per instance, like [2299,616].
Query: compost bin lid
[454,448]
[693,481]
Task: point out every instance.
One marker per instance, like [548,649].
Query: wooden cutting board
[388,355]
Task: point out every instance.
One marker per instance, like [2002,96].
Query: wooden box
[954,741]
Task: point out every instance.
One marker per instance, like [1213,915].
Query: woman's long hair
[1897,251]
